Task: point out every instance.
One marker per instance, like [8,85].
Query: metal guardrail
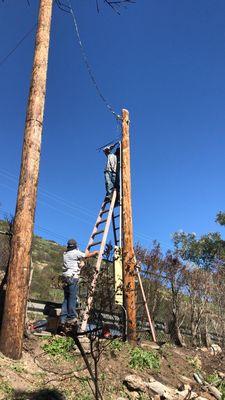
[114,319]
[43,307]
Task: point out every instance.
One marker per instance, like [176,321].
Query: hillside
[53,369]
[47,265]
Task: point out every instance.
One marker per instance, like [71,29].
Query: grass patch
[141,359]
[61,347]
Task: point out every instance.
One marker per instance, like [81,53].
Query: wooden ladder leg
[98,265]
[146,307]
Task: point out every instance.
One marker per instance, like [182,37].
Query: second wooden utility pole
[12,331]
[129,261]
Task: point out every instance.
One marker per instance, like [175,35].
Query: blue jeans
[110,180]
[70,300]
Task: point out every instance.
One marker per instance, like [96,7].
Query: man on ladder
[110,172]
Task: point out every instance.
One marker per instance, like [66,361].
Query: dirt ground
[42,376]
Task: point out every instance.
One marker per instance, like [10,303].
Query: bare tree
[175,276]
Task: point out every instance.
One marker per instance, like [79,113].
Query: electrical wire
[5,58]
[74,207]
[88,66]
[7,213]
[53,196]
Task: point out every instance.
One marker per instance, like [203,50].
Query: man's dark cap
[107,149]
[72,243]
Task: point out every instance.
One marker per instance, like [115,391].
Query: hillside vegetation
[46,262]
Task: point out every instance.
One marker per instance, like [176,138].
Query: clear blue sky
[165,62]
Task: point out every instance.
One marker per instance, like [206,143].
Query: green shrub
[142,359]
[215,380]
[116,345]
[59,347]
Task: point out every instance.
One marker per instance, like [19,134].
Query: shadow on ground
[43,394]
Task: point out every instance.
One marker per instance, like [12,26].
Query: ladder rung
[116,216]
[116,229]
[97,233]
[101,222]
[94,244]
[104,212]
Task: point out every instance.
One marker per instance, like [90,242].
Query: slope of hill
[47,264]
[53,369]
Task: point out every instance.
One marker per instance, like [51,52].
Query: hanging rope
[89,69]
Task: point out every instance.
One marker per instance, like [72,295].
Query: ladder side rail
[146,307]
[99,218]
[98,265]
[114,229]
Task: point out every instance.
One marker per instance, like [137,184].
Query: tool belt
[67,280]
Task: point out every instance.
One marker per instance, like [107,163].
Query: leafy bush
[59,347]
[116,345]
[142,359]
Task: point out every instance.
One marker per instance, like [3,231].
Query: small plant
[60,347]
[85,396]
[7,389]
[195,362]
[143,397]
[103,376]
[142,359]
[18,368]
[215,380]
[116,345]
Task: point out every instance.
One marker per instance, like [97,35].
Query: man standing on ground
[71,273]
[110,172]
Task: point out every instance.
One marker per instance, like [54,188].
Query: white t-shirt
[71,260]
[111,163]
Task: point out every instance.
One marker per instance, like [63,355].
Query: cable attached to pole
[88,66]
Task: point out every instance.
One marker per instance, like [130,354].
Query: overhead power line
[7,213]
[53,196]
[5,58]
[88,66]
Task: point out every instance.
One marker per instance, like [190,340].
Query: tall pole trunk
[129,261]
[11,339]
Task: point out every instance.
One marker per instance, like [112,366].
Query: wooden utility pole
[129,261]
[12,331]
